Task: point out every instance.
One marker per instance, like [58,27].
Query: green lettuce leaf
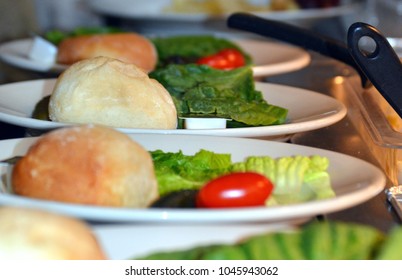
[176,171]
[391,249]
[57,36]
[318,240]
[187,49]
[296,179]
[199,90]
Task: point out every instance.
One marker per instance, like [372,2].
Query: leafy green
[57,36]
[199,90]
[325,240]
[189,48]
[176,171]
[392,248]
[41,110]
[296,178]
[340,241]
[274,246]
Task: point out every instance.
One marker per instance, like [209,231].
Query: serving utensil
[394,196]
[382,65]
[298,36]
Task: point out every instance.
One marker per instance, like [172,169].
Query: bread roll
[89,164]
[29,234]
[128,47]
[110,92]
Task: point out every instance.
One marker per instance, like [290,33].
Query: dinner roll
[110,92]
[88,164]
[29,234]
[128,47]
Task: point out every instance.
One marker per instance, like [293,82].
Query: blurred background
[22,18]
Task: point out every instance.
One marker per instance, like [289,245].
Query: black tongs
[297,36]
[381,68]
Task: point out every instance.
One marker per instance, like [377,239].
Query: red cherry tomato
[240,189]
[225,59]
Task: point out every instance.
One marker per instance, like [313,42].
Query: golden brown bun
[38,235]
[110,92]
[127,47]
[89,164]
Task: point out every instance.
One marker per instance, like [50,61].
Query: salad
[207,77]
[201,49]
[318,240]
[211,77]
[202,91]
[294,179]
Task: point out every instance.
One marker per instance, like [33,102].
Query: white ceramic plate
[16,53]
[307,110]
[155,11]
[353,180]
[269,58]
[273,58]
[127,241]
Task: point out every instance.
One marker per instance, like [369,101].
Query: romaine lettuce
[199,90]
[190,48]
[176,171]
[325,240]
[57,36]
[296,179]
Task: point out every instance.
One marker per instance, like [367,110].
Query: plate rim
[338,113]
[103,7]
[12,53]
[377,182]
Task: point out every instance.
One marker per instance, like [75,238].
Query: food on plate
[325,240]
[111,169]
[127,47]
[110,92]
[187,70]
[226,59]
[30,234]
[182,49]
[185,49]
[202,91]
[41,110]
[295,178]
[391,250]
[56,36]
[185,198]
[219,7]
[236,189]
[88,164]
[185,91]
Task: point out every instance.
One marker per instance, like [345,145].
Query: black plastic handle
[382,66]
[297,36]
